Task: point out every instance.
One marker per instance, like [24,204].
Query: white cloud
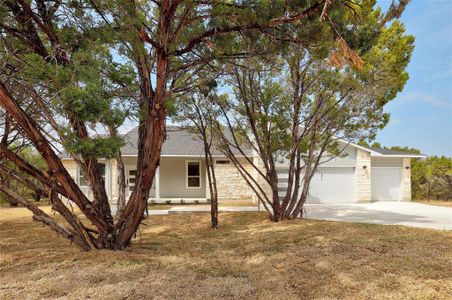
[425,98]
[394,121]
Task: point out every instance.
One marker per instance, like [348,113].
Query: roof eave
[376,154]
[354,145]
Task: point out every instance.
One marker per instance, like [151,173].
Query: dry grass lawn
[178,256]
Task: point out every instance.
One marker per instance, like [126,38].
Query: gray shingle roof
[384,151]
[179,141]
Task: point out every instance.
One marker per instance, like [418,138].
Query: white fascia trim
[354,145]
[101,160]
[376,154]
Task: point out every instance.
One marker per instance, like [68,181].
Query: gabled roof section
[179,142]
[394,153]
[377,152]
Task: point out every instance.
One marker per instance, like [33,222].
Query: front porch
[182,180]
[177,180]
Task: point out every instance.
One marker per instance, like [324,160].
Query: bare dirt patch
[179,256]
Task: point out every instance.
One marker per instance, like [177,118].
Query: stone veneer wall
[261,180]
[406,179]
[230,183]
[363,176]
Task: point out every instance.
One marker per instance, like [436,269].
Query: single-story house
[363,175]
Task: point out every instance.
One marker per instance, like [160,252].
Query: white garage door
[330,185]
[386,184]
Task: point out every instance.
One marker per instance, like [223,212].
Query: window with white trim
[193,172]
[82,181]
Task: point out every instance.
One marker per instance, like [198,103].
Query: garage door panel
[386,184]
[329,185]
[332,185]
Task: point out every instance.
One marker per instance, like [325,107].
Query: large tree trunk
[121,177]
[121,184]
[212,185]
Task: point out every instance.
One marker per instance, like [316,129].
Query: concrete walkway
[388,213]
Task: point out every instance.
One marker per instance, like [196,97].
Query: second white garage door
[329,185]
[386,184]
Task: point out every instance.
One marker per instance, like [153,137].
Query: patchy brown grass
[178,256]
[160,206]
[446,203]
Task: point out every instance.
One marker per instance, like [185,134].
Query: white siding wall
[347,159]
[173,177]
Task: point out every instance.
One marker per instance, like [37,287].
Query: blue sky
[421,115]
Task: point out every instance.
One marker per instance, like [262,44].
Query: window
[193,174]
[131,179]
[82,181]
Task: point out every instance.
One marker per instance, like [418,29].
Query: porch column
[157,184]
[109,179]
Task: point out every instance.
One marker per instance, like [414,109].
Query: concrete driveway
[389,213]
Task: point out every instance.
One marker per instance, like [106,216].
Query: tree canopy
[72,69]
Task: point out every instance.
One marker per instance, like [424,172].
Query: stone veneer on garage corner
[406,179]
[363,177]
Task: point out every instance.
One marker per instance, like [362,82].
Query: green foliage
[404,149]
[386,62]
[31,156]
[91,85]
[98,147]
[431,178]
[376,145]
[348,100]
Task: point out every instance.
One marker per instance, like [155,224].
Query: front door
[130,179]
[131,173]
